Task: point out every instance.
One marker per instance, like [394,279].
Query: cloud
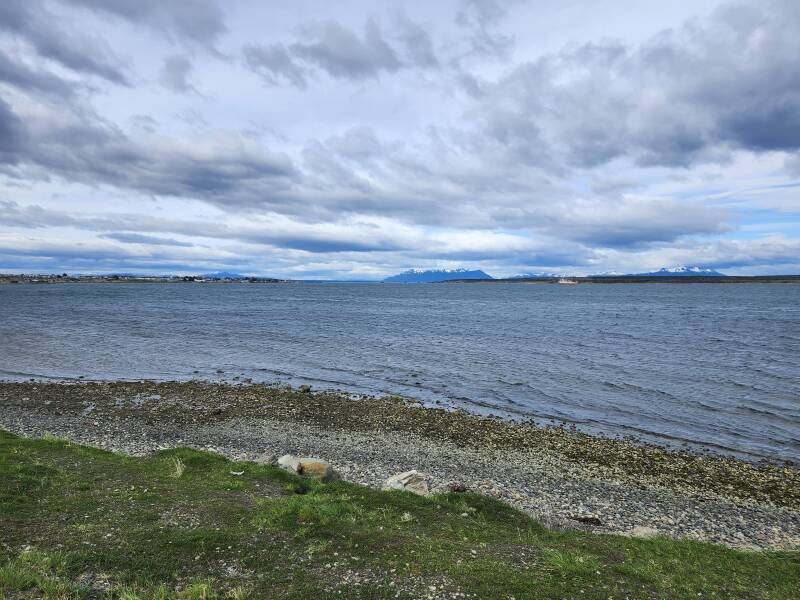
[771,253]
[479,18]
[626,221]
[343,54]
[30,21]
[201,22]
[417,44]
[17,74]
[18,253]
[73,143]
[793,164]
[176,74]
[275,64]
[340,52]
[687,96]
[12,134]
[137,238]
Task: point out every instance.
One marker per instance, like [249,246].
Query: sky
[356,139]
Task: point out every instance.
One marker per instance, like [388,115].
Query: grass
[77,522]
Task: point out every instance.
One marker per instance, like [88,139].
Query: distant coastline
[49,279]
[602,279]
[644,279]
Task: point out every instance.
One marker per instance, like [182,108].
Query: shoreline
[565,479]
[627,435]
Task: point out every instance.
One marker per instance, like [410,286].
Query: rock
[587,519]
[456,486]
[289,462]
[315,468]
[266,460]
[644,532]
[409,481]
[305,389]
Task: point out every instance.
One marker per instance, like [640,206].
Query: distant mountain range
[680,272]
[436,275]
[664,272]
[536,276]
[432,276]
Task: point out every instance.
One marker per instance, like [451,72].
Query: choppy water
[714,365]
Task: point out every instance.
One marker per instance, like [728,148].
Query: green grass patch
[77,522]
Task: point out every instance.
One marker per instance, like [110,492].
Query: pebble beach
[563,478]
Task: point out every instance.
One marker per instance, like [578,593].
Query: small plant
[131,593]
[237,593]
[318,547]
[40,573]
[178,467]
[200,590]
[570,562]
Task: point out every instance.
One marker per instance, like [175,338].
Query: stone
[409,481]
[266,460]
[305,389]
[644,532]
[456,486]
[289,462]
[317,469]
[307,466]
[593,520]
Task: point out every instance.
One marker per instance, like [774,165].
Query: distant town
[131,278]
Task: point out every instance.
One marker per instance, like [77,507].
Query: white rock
[409,481]
[289,462]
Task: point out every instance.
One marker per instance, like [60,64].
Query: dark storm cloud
[687,96]
[30,21]
[342,53]
[198,21]
[176,74]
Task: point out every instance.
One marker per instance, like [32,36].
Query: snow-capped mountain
[682,272]
[432,276]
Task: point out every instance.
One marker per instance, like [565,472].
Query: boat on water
[565,281]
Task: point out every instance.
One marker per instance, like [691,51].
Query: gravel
[565,480]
